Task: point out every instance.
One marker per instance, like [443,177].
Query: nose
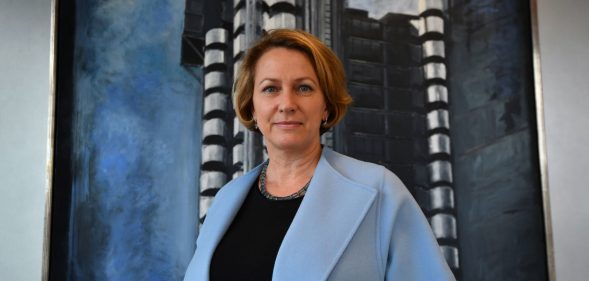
[287,102]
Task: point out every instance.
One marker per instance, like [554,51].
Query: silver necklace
[266,194]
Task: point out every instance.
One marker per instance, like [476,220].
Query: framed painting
[446,95]
[127,143]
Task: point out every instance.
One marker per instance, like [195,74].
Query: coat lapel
[221,216]
[333,208]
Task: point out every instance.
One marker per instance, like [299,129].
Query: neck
[289,171]
[288,159]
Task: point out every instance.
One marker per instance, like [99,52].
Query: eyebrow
[296,80]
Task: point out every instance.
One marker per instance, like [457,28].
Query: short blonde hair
[329,69]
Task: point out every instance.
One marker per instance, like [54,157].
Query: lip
[288,124]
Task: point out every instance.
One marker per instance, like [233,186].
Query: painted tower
[396,75]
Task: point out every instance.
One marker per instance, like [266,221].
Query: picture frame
[438,180]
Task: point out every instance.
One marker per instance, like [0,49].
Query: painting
[145,134]
[127,143]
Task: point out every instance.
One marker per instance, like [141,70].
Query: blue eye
[269,89]
[305,88]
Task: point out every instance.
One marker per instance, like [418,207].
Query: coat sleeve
[413,252]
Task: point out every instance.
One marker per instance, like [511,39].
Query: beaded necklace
[266,194]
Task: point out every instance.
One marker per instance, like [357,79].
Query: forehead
[284,61]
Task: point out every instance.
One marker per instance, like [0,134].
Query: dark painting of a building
[399,68]
[146,135]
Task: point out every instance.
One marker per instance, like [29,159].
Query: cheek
[255,106]
[262,110]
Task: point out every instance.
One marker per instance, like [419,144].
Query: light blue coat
[357,222]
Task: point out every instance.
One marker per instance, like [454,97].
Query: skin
[289,107]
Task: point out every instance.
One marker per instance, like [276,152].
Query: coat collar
[329,215]
[220,216]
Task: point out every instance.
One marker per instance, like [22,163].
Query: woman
[308,213]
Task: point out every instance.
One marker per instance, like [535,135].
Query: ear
[325,114]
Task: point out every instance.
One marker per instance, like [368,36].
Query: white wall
[24,92]
[564,50]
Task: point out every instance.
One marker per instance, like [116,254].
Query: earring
[255,124]
[325,121]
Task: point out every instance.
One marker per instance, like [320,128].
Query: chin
[291,144]
[288,146]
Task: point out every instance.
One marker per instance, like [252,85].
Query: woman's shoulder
[235,188]
[236,183]
[365,173]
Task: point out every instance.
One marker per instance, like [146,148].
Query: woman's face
[289,105]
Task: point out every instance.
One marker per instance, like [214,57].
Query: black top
[250,245]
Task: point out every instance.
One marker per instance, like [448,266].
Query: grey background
[24,88]
[24,96]
[564,39]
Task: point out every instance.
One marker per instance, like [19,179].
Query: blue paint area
[495,165]
[136,143]
[491,67]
